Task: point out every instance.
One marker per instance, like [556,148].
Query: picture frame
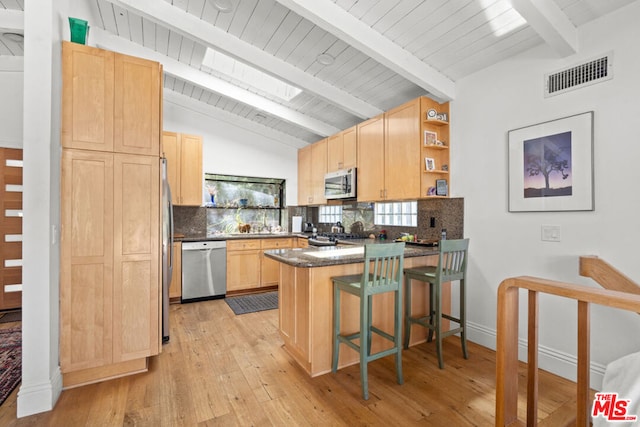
[551,165]
[442,189]
[430,138]
[429,163]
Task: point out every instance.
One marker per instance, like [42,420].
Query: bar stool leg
[438,325]
[398,332]
[365,340]
[407,310]
[336,328]
[432,311]
[463,318]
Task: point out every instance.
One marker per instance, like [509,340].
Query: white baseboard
[549,359]
[42,397]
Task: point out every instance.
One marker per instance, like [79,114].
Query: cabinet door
[318,171]
[87,90]
[402,152]
[335,152]
[86,260]
[137,106]
[349,148]
[305,194]
[136,272]
[175,288]
[191,178]
[243,270]
[270,274]
[171,150]
[370,184]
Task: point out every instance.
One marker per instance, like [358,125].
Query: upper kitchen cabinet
[184,167]
[111,101]
[370,184]
[342,150]
[312,167]
[402,152]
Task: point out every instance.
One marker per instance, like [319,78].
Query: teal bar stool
[452,265]
[383,266]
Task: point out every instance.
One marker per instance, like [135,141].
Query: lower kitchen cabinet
[110,264]
[175,289]
[243,264]
[270,269]
[247,267]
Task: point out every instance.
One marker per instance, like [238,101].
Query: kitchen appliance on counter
[308,227]
[167,248]
[204,270]
[340,184]
[331,239]
[338,228]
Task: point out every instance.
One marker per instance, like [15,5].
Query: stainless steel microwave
[340,184]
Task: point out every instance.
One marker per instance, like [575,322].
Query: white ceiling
[386,51]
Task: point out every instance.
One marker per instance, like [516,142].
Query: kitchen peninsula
[306,301]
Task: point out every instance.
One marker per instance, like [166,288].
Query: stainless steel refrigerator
[167,248]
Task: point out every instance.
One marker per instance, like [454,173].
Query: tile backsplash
[447,213]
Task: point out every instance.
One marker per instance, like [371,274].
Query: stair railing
[625,295]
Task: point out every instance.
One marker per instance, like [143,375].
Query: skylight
[257,79]
[503,18]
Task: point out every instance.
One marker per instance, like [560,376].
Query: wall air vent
[593,71]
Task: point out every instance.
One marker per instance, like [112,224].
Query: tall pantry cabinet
[110,284]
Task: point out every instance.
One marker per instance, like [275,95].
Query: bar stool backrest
[383,266]
[452,263]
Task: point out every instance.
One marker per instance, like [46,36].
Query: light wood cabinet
[247,267]
[110,258]
[371,182]
[243,264]
[184,167]
[111,101]
[392,152]
[270,269]
[312,167]
[402,152]
[110,284]
[175,288]
[342,150]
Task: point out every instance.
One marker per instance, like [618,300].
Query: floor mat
[12,316]
[252,303]
[10,361]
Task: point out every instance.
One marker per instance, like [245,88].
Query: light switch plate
[550,233]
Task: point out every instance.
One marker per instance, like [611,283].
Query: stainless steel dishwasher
[204,270]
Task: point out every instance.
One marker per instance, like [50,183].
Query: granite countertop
[335,255]
[234,236]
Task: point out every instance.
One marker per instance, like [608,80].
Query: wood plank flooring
[222,369]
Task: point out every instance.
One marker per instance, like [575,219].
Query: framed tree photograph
[551,166]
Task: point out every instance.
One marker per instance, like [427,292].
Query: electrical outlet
[550,233]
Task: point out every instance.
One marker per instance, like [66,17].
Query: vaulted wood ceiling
[385,52]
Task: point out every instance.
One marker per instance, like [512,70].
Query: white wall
[507,96]
[232,150]
[11,108]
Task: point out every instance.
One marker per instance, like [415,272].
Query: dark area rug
[252,303]
[10,361]
[12,316]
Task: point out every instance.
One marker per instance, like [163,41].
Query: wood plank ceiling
[385,52]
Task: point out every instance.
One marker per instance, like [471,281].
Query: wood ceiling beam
[11,19]
[208,82]
[337,21]
[212,111]
[548,20]
[190,26]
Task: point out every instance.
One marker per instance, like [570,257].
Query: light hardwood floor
[222,369]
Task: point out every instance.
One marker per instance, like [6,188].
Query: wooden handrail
[507,342]
[606,275]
